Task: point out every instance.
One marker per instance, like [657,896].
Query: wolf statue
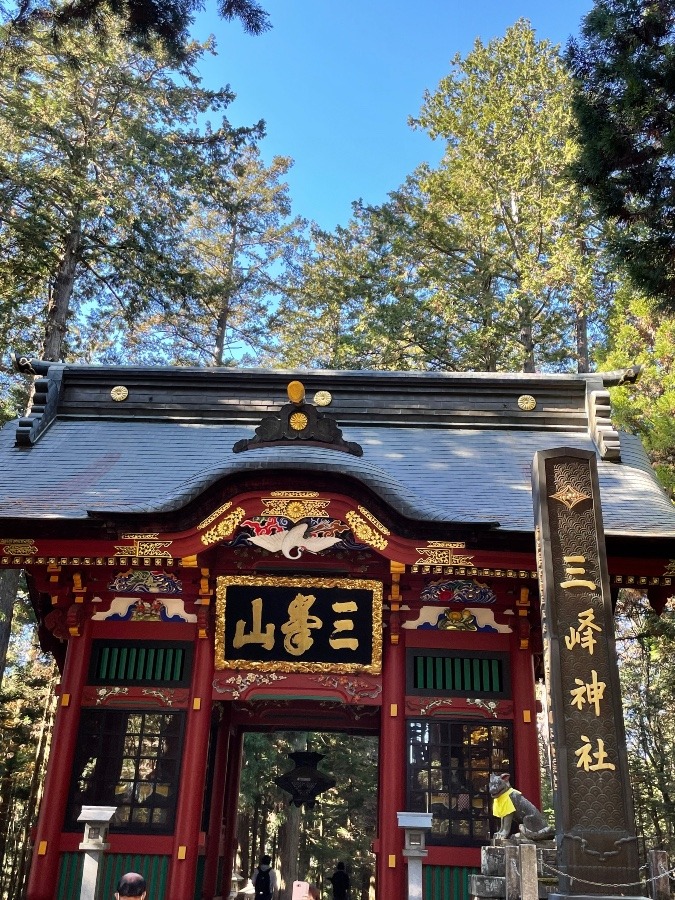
[508,805]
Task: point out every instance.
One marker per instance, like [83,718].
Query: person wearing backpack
[340,881]
[265,880]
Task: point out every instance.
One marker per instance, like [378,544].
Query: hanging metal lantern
[304,783]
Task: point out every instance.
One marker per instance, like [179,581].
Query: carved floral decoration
[468,591]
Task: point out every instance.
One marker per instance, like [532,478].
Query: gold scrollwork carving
[19,547]
[363,532]
[438,553]
[376,522]
[144,547]
[288,494]
[214,515]
[224,528]
[294,505]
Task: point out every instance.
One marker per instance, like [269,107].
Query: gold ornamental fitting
[527,402]
[296,392]
[119,393]
[298,421]
[323,398]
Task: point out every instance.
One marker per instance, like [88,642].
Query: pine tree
[100,143]
[625,108]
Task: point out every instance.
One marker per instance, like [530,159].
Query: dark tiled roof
[442,448]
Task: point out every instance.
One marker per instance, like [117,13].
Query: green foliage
[624,104]
[492,261]
[342,825]
[646,644]
[241,243]
[101,144]
[638,333]
[141,21]
[26,714]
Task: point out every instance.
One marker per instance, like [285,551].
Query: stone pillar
[529,881]
[658,874]
[595,827]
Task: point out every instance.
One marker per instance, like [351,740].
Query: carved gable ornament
[298,421]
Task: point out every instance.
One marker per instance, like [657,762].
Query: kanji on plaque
[298,629]
[256,635]
[331,624]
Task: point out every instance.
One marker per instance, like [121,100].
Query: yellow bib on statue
[503,804]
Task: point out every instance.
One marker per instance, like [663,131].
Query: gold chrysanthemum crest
[363,532]
[224,528]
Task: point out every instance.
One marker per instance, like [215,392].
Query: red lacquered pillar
[525,743]
[183,868]
[44,871]
[234,763]
[217,803]
[391,873]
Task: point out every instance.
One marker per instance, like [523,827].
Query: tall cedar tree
[100,147]
[242,244]
[624,67]
[512,220]
[490,261]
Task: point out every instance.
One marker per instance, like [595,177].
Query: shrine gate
[214,550]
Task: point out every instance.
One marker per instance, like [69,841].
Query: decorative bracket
[47,393]
[602,430]
[298,421]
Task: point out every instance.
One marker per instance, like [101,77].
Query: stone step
[495,886]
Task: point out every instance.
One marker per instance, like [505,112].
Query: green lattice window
[141,663]
[437,672]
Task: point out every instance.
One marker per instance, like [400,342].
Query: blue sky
[336,80]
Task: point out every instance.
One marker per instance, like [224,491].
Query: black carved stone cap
[298,421]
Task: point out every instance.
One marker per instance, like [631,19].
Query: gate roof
[437,447]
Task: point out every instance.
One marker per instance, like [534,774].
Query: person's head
[341,867]
[131,885]
[265,860]
[312,892]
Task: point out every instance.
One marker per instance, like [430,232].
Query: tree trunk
[224,316]
[528,346]
[581,327]
[289,844]
[9,584]
[60,294]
